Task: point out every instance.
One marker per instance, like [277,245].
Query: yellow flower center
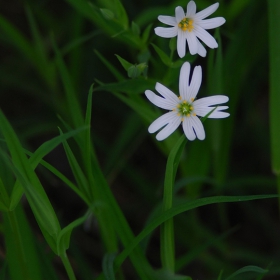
[186,24]
[185,109]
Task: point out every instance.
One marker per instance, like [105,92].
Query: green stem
[67,266]
[167,232]
[167,229]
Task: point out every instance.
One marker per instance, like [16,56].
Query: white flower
[191,27]
[185,108]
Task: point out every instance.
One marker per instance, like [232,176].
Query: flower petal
[210,100]
[211,23]
[181,43]
[201,106]
[163,120]
[188,130]
[166,32]
[193,128]
[159,101]
[169,129]
[179,14]
[206,12]
[192,42]
[167,93]
[201,50]
[198,128]
[184,80]
[191,9]
[216,114]
[195,83]
[168,20]
[205,37]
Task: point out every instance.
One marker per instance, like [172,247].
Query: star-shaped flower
[191,27]
[184,108]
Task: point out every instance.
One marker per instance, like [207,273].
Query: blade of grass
[71,98]
[175,210]
[17,40]
[35,193]
[249,268]
[37,156]
[21,252]
[110,66]
[46,68]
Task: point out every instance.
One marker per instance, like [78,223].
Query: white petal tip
[159,138]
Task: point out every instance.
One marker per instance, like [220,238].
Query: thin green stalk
[167,229]
[67,266]
[18,242]
[167,245]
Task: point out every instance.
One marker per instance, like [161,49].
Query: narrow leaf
[126,65]
[249,268]
[180,209]
[63,238]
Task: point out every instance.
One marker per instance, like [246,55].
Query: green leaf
[163,56]
[37,156]
[63,239]
[117,30]
[88,145]
[118,9]
[135,28]
[17,39]
[76,169]
[22,256]
[71,97]
[126,65]
[127,134]
[249,268]
[110,66]
[142,109]
[108,14]
[46,68]
[108,266]
[36,196]
[77,42]
[146,33]
[131,86]
[175,210]
[167,60]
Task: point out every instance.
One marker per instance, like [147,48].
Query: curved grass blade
[37,156]
[249,268]
[180,209]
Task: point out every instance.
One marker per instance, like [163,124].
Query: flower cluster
[185,108]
